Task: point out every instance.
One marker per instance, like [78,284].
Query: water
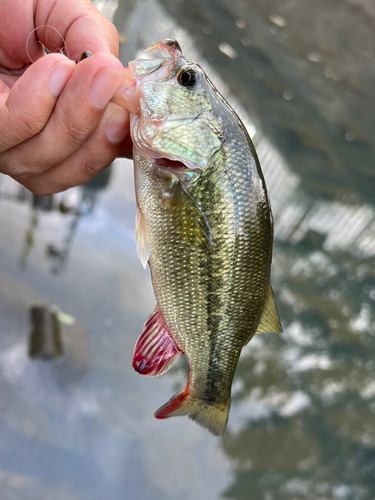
[302,421]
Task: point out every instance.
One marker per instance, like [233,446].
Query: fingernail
[59,77]
[116,121]
[104,85]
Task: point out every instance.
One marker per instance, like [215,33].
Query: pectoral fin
[155,351]
[141,238]
[188,217]
[269,321]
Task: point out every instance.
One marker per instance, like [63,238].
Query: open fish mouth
[171,165]
[149,141]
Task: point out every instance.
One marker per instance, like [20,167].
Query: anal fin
[155,351]
[270,321]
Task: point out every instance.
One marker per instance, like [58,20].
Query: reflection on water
[302,419]
[312,434]
[76,203]
[45,340]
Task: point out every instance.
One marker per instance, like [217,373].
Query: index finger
[26,108]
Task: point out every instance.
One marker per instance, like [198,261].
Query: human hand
[57,126]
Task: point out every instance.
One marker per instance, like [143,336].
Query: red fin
[212,416]
[173,404]
[155,351]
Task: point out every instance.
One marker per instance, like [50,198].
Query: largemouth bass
[204,225]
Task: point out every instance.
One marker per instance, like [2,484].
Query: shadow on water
[302,420]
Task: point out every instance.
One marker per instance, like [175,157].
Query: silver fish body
[205,226]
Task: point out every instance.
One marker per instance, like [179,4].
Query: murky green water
[302,424]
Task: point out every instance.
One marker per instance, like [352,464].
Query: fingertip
[106,60]
[38,74]
[59,76]
[108,74]
[52,59]
[116,123]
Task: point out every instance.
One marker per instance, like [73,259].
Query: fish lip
[169,165]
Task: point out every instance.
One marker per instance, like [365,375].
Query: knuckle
[113,33]
[31,125]
[91,167]
[109,29]
[40,188]
[77,135]
[20,176]
[19,170]
[22,170]
[17,131]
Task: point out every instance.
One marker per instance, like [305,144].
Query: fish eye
[187,78]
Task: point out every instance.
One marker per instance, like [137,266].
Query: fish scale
[204,225]
[211,288]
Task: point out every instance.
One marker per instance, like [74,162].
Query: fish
[204,225]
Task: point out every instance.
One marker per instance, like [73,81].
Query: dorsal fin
[141,238]
[155,351]
[270,321]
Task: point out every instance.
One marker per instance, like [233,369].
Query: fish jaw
[169,121]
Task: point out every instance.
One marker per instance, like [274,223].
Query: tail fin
[211,416]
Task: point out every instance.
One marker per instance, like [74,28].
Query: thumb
[80,24]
